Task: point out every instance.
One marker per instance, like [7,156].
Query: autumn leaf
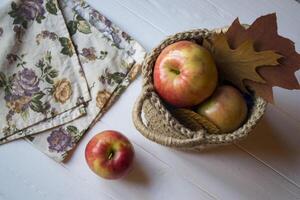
[239,64]
[263,33]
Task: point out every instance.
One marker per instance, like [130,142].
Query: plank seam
[267,165]
[242,149]
[69,172]
[182,176]
[80,178]
[297,122]
[140,17]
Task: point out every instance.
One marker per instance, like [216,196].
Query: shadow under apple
[137,175]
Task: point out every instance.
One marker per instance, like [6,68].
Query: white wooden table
[264,166]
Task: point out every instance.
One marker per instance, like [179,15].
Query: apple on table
[109,154]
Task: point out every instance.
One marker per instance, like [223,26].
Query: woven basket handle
[198,137]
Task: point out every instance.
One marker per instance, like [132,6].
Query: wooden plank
[138,185]
[226,172]
[26,173]
[139,29]
[275,142]
[143,13]
[130,25]
[150,178]
[29,174]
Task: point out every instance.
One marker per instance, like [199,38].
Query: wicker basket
[155,122]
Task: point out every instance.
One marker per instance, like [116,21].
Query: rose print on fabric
[111,33]
[90,54]
[98,17]
[19,105]
[62,90]
[65,42]
[31,10]
[22,89]
[46,34]
[11,58]
[63,139]
[59,140]
[102,97]
[23,83]
[106,28]
[26,11]
[127,37]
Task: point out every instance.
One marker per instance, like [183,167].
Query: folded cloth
[68,68]
[40,71]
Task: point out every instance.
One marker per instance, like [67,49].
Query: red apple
[226,108]
[109,154]
[185,74]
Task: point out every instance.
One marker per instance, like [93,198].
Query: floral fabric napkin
[40,79]
[63,64]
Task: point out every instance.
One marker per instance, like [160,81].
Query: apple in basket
[226,108]
[109,154]
[185,74]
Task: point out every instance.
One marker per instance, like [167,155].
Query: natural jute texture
[155,122]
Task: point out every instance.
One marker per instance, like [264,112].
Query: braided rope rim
[193,139]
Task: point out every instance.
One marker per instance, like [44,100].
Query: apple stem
[176,71]
[111,154]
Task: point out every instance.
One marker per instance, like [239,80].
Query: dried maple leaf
[237,65]
[263,33]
